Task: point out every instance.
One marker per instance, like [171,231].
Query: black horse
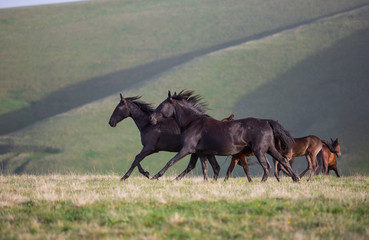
[161,137]
[206,135]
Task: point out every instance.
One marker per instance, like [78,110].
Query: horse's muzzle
[112,123]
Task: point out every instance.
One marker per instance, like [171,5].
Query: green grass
[85,143]
[99,206]
[47,48]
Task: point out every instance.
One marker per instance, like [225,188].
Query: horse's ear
[123,99]
[169,96]
[332,140]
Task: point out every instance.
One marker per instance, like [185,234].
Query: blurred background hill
[63,66]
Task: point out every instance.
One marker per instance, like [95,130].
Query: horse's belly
[219,146]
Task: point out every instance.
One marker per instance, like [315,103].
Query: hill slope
[324,95]
[80,52]
[81,140]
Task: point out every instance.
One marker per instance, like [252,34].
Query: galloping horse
[162,137]
[309,147]
[327,158]
[203,134]
[239,158]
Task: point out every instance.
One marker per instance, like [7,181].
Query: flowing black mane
[191,100]
[145,107]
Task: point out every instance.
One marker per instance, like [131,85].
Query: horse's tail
[281,136]
[330,147]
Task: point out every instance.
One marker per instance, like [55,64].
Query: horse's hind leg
[204,165]
[245,166]
[275,154]
[191,165]
[231,167]
[214,164]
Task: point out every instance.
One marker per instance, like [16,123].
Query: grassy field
[229,80]
[100,207]
[50,47]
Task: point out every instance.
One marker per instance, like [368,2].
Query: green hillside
[274,77]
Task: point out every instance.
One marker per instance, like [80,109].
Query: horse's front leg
[263,162]
[144,152]
[277,169]
[231,166]
[336,171]
[245,166]
[311,166]
[181,154]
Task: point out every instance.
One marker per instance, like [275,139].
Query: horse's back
[308,144]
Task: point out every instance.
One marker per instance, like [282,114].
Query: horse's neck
[184,116]
[140,118]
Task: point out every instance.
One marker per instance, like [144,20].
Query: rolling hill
[312,78]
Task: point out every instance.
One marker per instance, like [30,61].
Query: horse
[327,158]
[309,147]
[200,133]
[239,158]
[162,137]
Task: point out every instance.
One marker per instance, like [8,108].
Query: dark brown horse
[240,158]
[309,147]
[327,159]
[162,137]
[202,134]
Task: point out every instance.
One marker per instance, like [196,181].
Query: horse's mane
[191,100]
[145,107]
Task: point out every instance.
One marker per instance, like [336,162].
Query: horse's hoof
[156,177]
[147,174]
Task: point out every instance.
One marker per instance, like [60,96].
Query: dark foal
[327,159]
[162,137]
[202,134]
[309,147]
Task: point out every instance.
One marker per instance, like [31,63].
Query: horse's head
[165,110]
[336,145]
[120,112]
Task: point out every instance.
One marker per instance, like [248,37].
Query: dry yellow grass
[99,206]
[87,189]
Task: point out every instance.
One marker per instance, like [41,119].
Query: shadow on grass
[15,150]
